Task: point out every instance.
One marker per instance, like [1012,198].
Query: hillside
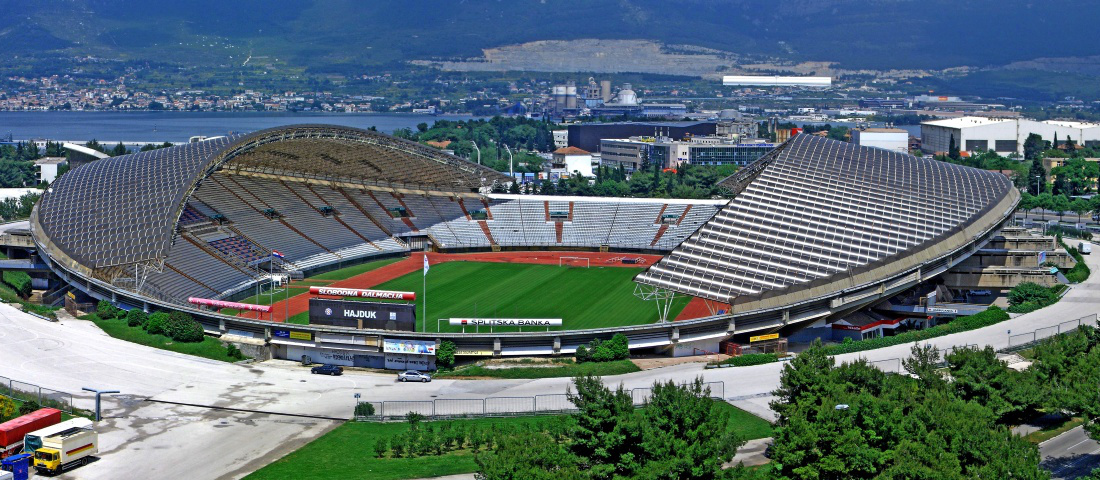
[344,35]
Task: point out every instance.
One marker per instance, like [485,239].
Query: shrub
[233,352]
[1029,296]
[8,410]
[28,407]
[182,328]
[156,323]
[106,310]
[136,317]
[752,359]
[381,447]
[364,409]
[618,348]
[1079,272]
[445,354]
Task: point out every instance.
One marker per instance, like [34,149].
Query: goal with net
[574,262]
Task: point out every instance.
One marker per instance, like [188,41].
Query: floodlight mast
[663,297]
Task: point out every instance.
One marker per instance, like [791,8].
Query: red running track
[300,303]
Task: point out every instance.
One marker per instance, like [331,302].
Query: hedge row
[752,359]
[989,317]
[178,326]
[1079,272]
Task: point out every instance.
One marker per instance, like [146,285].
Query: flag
[276,254]
[425,265]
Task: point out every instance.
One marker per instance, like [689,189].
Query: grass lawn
[1054,430]
[617,367]
[581,297]
[347,452]
[208,348]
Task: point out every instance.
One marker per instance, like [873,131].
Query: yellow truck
[65,449]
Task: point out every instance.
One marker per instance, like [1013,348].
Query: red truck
[13,431]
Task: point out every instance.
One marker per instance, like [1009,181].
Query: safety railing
[29,392]
[1020,341]
[548,404]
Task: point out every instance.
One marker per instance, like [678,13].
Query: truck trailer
[13,431]
[66,449]
[33,440]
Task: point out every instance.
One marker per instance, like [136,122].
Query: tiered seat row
[240,247]
[316,225]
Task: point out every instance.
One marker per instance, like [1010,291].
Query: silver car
[413,376]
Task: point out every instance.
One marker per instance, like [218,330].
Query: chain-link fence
[29,392]
[1020,341]
[501,406]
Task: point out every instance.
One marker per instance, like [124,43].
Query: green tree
[445,354]
[924,363]
[685,435]
[1046,203]
[604,444]
[529,456]
[1033,147]
[978,376]
[953,149]
[1080,206]
[1060,206]
[1028,202]
[8,409]
[1037,176]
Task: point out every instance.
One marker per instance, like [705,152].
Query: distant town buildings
[47,168]
[571,160]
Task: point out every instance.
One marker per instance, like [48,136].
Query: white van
[1084,248]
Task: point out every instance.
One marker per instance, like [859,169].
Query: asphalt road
[1070,455]
[146,439]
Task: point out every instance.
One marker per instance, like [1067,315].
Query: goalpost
[574,262]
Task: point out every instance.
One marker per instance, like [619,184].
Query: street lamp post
[478,152]
[511,171]
[98,394]
[1037,180]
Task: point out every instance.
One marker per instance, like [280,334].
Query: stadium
[816,229]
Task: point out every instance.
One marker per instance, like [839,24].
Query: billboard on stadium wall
[224,304]
[353,314]
[361,293]
[418,347]
[506,322]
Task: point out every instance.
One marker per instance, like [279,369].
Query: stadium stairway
[660,232]
[660,214]
[462,205]
[558,227]
[485,228]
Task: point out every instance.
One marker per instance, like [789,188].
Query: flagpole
[424,290]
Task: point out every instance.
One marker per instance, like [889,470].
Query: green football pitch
[582,297]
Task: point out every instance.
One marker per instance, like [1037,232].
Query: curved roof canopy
[123,210]
[815,210]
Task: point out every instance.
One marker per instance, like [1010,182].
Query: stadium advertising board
[506,322]
[761,338]
[223,304]
[416,347]
[293,335]
[353,314]
[360,293]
